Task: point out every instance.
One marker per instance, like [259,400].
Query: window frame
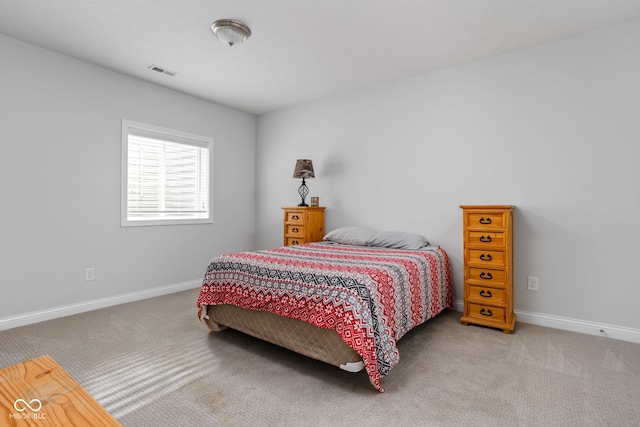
[172,135]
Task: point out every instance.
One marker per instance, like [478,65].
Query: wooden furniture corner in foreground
[39,392]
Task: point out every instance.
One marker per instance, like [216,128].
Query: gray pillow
[350,235]
[398,240]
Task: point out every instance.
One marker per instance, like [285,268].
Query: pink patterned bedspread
[370,296]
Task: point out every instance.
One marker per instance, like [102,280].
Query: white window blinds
[167,176]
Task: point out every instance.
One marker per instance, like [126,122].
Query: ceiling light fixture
[230,31]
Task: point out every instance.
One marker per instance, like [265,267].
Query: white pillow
[398,240]
[350,235]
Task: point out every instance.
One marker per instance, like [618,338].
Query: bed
[342,303]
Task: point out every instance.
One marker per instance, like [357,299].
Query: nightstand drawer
[487,312]
[293,241]
[295,230]
[486,220]
[486,294]
[488,258]
[294,218]
[487,276]
[488,239]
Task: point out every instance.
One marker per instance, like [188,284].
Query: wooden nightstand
[303,224]
[488,264]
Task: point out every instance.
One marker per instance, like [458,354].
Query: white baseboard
[557,322]
[81,307]
[574,325]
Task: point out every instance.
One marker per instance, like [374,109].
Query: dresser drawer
[487,239]
[486,220]
[295,230]
[486,294]
[487,276]
[487,257]
[487,312]
[294,218]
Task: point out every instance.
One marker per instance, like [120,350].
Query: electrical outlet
[89,274]
[532,283]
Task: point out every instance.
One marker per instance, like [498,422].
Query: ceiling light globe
[230,32]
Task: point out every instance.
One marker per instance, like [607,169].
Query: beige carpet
[151,363]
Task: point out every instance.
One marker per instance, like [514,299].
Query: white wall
[552,129]
[60,179]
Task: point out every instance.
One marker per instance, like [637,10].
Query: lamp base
[303,191]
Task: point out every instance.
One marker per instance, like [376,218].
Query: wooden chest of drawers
[303,225]
[488,264]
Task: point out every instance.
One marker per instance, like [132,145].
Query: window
[166,176]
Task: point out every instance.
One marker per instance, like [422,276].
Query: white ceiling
[300,50]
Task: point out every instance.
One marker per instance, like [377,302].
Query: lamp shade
[304,169]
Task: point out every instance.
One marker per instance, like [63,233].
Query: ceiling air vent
[162,71]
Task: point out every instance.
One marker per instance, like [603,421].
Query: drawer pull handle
[295,217]
[486,312]
[486,276]
[484,220]
[486,239]
[487,257]
[485,294]
[295,242]
[294,229]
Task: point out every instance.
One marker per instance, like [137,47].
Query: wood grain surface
[39,392]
